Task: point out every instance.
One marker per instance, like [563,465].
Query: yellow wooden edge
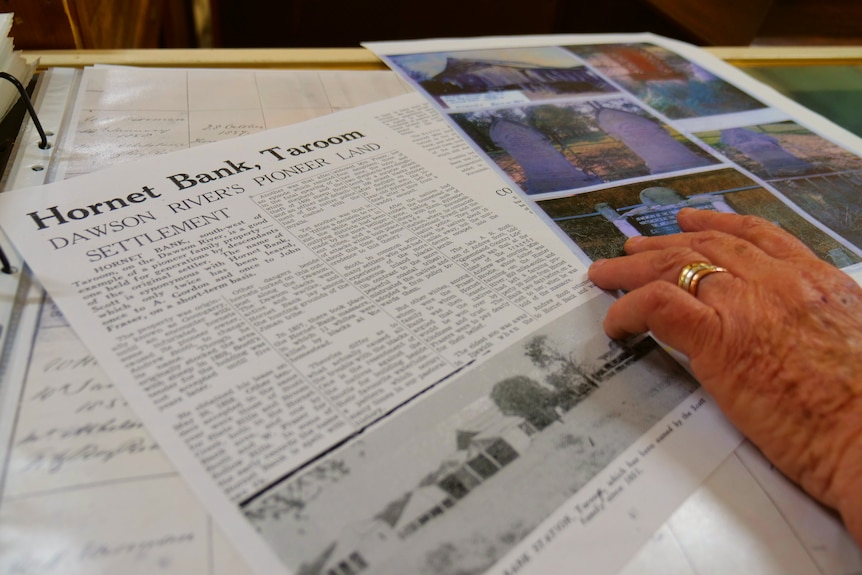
[299,58]
[746,56]
[362,59]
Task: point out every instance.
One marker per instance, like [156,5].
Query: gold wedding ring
[691,275]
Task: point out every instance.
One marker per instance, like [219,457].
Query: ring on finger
[691,275]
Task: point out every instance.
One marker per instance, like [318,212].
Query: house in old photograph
[483,445]
[619,357]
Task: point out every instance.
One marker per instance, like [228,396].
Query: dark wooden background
[105,24]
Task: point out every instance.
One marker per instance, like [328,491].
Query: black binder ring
[5,265]
[43,143]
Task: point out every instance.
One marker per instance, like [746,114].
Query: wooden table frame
[362,59]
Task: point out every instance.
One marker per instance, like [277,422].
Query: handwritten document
[82,466]
[125,113]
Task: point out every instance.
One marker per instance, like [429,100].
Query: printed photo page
[364,352]
[608,137]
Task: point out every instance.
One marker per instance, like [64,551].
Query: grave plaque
[656,216]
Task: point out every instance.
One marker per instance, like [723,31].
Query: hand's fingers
[740,256]
[633,271]
[767,236]
[672,315]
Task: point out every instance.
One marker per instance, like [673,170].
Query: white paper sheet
[633,127]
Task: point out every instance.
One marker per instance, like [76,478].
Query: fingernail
[598,263]
[632,242]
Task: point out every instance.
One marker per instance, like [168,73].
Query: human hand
[777,341]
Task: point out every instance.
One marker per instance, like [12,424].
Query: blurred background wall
[109,24]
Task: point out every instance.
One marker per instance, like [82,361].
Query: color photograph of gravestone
[817,175]
[532,73]
[600,222]
[666,81]
[553,147]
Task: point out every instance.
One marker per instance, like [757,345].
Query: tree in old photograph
[572,379]
[527,398]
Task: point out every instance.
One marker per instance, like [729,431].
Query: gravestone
[766,151]
[545,168]
[649,140]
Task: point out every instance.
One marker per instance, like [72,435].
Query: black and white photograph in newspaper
[453,482]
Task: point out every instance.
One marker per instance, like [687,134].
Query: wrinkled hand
[777,341]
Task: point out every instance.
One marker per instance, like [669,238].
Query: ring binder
[43,144]
[5,264]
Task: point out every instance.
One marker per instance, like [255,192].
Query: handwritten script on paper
[73,418]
